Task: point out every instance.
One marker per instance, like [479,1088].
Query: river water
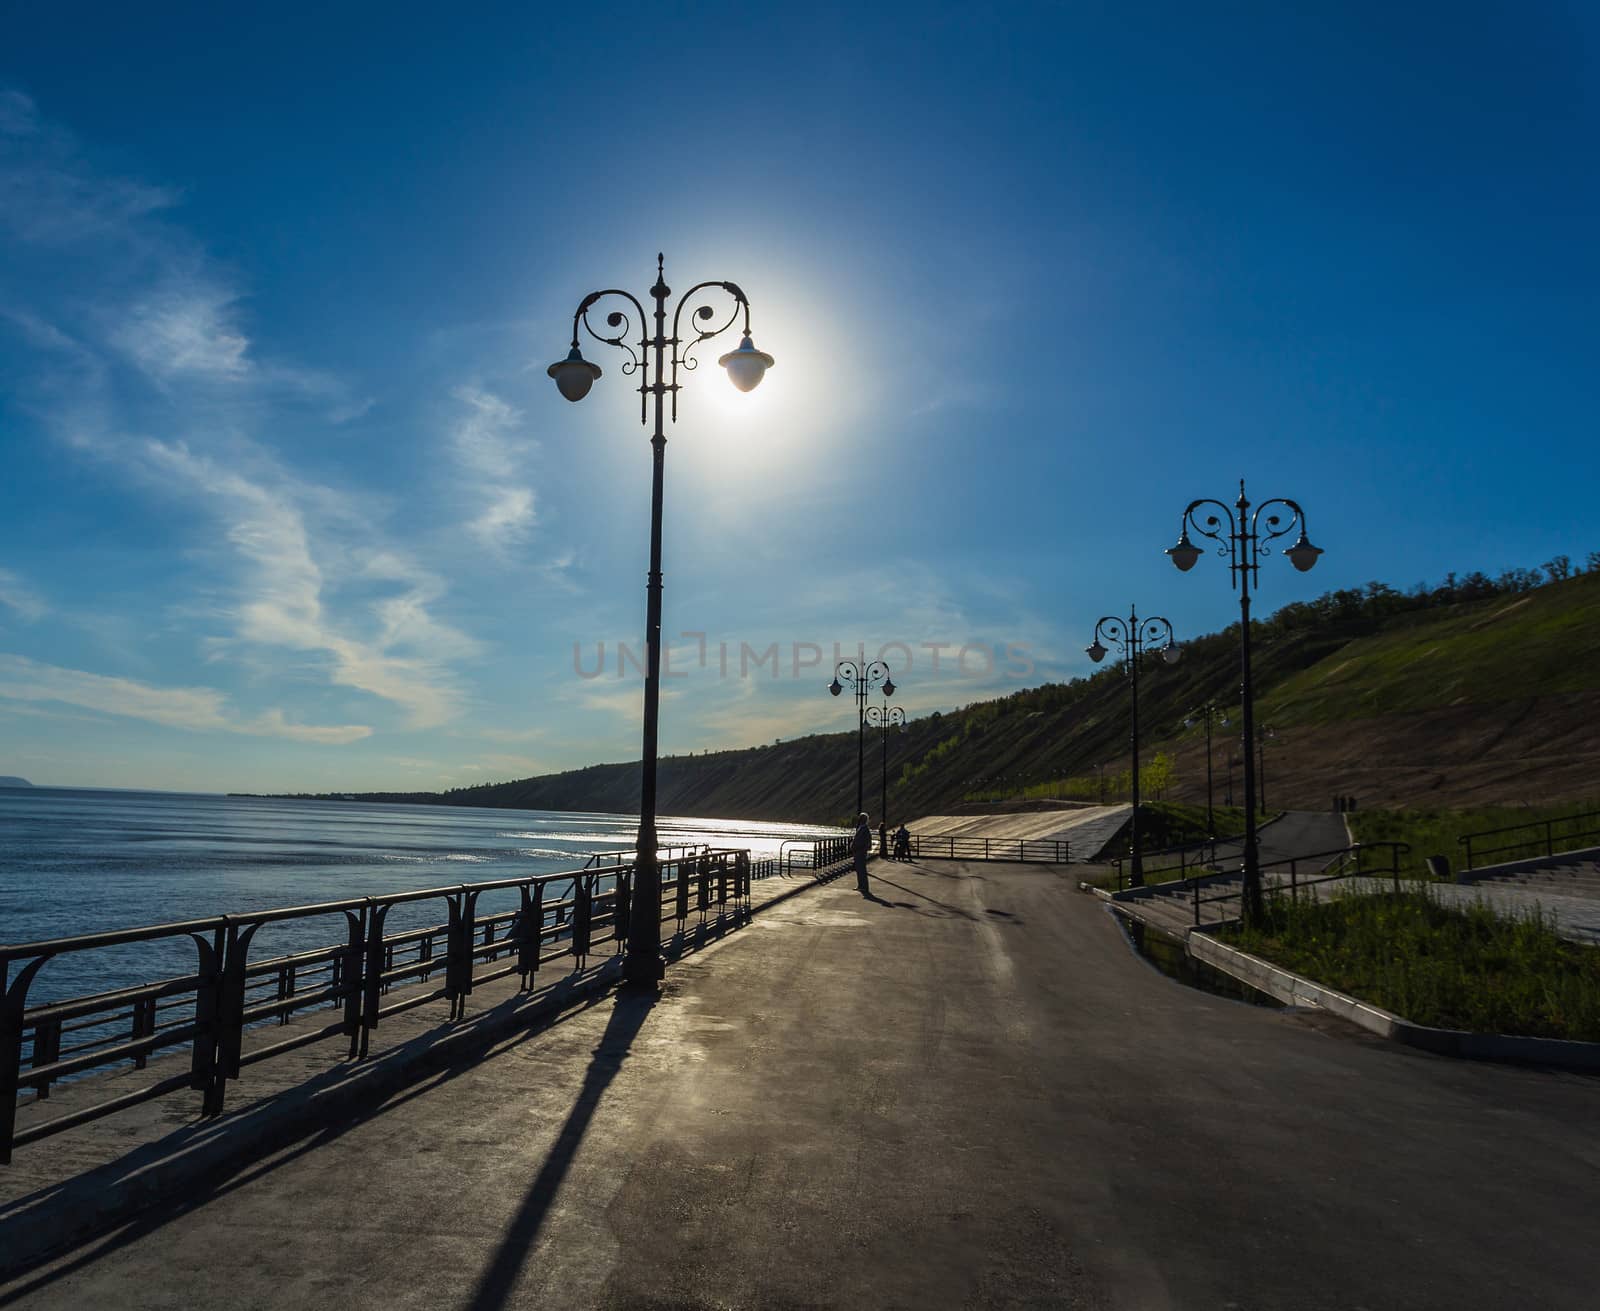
[75,861]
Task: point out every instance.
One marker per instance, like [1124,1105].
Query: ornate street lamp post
[657,361]
[1243,541]
[1211,714]
[885,717]
[862,676]
[1132,636]
[1263,732]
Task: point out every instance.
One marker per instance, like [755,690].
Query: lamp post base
[643,973]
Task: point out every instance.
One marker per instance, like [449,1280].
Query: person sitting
[902,843]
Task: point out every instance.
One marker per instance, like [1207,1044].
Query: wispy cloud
[201,709]
[19,597]
[187,329]
[281,594]
[305,567]
[491,457]
[51,197]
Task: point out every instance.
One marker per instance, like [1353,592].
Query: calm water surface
[75,861]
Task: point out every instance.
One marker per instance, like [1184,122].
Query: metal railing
[1191,856]
[1363,860]
[813,853]
[364,975]
[1541,840]
[1050,851]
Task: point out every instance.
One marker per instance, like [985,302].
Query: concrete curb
[1295,990]
[178,1168]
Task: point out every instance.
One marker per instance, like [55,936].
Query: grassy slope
[1541,643]
[1332,685]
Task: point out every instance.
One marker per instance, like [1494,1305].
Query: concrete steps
[1565,875]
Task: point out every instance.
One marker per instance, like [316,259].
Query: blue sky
[289,502]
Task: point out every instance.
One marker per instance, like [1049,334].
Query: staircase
[1568,874]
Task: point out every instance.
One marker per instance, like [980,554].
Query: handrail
[1548,825]
[1182,850]
[1340,856]
[365,976]
[957,846]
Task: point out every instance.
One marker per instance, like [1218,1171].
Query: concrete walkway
[966,1092]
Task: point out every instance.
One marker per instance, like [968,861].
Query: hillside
[1438,696]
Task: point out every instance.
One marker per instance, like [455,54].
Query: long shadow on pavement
[154,1217]
[932,901]
[627,1018]
[273,1151]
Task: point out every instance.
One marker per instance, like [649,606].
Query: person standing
[861,846]
[883,839]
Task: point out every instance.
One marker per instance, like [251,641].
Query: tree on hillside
[1156,777]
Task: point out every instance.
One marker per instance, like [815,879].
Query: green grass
[1476,653]
[1434,832]
[1450,968]
[1174,823]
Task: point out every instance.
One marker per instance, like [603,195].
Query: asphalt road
[966,1093]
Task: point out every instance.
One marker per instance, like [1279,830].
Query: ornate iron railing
[363,975]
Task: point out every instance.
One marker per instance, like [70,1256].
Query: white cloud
[17,596]
[186,329]
[51,198]
[490,456]
[281,595]
[302,568]
[201,709]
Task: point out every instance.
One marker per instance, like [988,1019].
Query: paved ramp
[1085,830]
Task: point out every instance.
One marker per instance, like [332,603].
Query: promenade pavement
[964,1092]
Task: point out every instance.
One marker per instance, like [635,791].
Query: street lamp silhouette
[1132,636]
[885,717]
[1263,732]
[657,362]
[1243,540]
[862,677]
[1210,713]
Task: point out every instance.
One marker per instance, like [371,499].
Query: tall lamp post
[1243,538]
[885,717]
[861,676]
[1132,636]
[1263,732]
[1211,714]
[657,361]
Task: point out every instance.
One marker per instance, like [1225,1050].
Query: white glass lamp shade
[574,375]
[746,366]
[835,687]
[1302,555]
[1097,653]
[1171,653]
[1185,554]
